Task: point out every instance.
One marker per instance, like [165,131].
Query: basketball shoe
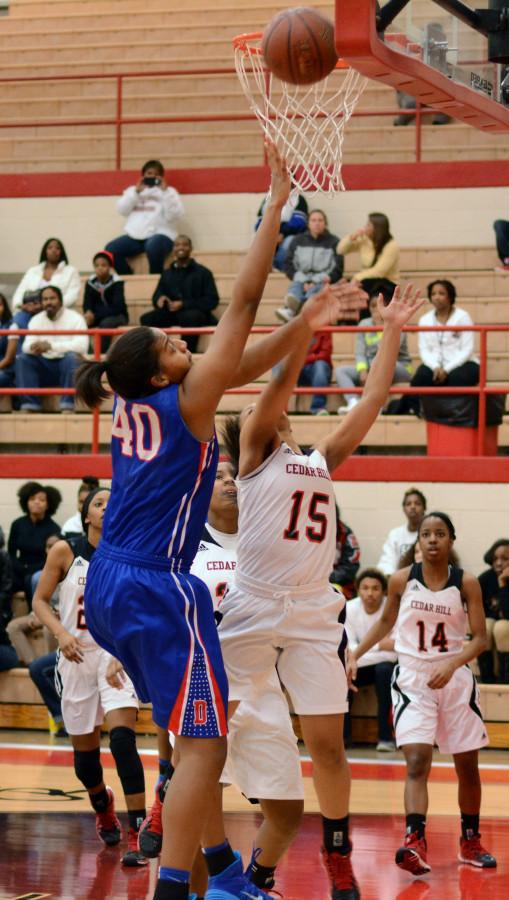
[107,825]
[133,858]
[342,879]
[150,835]
[232,884]
[473,853]
[412,855]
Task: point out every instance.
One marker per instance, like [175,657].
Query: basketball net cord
[306,122]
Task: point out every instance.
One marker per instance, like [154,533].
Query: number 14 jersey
[287,520]
[431,623]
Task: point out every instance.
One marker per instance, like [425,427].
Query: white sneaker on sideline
[285,314]
[386,747]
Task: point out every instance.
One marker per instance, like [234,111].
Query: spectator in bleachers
[73,527]
[495,596]
[347,558]
[7,347]
[401,539]
[51,361]
[53,268]
[378,664]
[151,209]
[501,227]
[28,534]
[316,371]
[185,295]
[104,303]
[294,218]
[378,251]
[8,655]
[31,304]
[311,260]
[366,348]
[448,357]
[21,627]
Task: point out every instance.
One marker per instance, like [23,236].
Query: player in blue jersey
[141,602]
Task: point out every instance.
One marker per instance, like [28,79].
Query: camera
[151,181]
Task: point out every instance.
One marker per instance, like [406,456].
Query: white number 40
[145,430]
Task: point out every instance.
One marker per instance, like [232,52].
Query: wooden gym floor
[50,849]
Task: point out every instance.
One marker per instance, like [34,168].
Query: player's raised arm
[205,383]
[58,562]
[261,426]
[338,445]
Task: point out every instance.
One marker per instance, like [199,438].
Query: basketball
[298,46]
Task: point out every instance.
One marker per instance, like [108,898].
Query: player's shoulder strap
[80,547]
[455,577]
[207,538]
[415,573]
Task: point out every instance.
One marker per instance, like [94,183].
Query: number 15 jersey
[431,623]
[287,520]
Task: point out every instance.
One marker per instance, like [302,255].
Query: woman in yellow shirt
[378,251]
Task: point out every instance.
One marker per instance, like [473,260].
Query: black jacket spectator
[104,300]
[8,656]
[185,296]
[27,537]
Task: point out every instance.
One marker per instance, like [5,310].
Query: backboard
[425,50]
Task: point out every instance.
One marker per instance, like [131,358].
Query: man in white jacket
[151,209]
[51,360]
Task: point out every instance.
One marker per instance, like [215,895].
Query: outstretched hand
[335,301]
[280,183]
[402,306]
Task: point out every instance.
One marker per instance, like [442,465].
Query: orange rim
[250,43]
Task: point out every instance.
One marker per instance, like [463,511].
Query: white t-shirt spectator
[399,540]
[68,320]
[73,525]
[358,623]
[446,349]
[65,277]
[152,211]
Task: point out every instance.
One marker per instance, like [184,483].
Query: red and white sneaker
[412,855]
[473,853]
[107,825]
[341,877]
[133,857]
[150,835]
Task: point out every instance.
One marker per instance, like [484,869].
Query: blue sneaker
[232,884]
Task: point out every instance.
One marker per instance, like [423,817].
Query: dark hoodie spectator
[28,534]
[104,303]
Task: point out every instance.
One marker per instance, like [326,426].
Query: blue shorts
[160,625]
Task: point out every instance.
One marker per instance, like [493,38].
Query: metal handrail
[482,389]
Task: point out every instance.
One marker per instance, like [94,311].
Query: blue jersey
[162,481]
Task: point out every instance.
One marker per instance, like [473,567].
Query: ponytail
[89,386]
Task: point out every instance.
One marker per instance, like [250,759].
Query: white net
[307,122]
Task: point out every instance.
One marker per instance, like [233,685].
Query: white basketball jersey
[287,520]
[72,590]
[431,623]
[214,563]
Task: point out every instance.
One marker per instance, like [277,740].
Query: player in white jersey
[281,612]
[433,605]
[81,676]
[267,771]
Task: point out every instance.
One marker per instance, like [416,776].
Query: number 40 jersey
[287,520]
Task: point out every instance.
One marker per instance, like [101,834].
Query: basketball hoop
[307,122]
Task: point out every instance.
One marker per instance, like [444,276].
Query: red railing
[119,120]
[482,389]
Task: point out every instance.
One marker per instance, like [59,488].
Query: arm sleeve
[127,202]
[464,348]
[361,359]
[346,245]
[295,224]
[428,347]
[88,299]
[388,562]
[386,261]
[12,543]
[163,288]
[72,291]
[289,260]
[5,587]
[17,298]
[503,599]
[172,205]
[71,344]
[209,297]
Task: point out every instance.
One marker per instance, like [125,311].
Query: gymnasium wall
[479,512]
[419,218]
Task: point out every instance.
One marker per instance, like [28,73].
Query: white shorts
[263,756]
[296,632]
[86,695]
[449,717]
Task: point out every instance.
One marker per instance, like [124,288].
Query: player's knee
[87,765]
[418,765]
[328,752]
[127,760]
[284,815]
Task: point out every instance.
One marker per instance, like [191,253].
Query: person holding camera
[185,295]
[151,209]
